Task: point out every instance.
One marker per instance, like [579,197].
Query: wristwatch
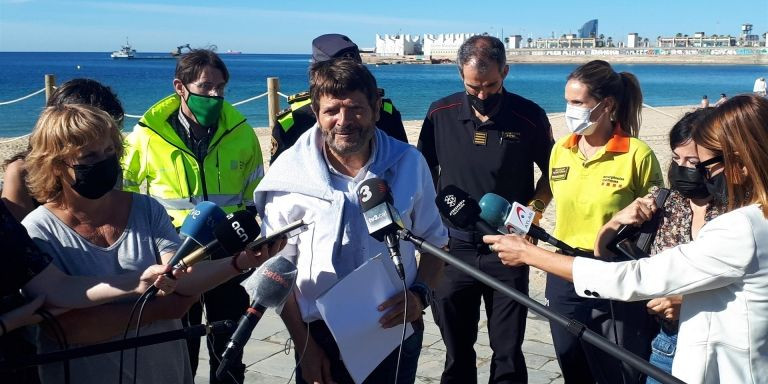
[537,205]
[423,292]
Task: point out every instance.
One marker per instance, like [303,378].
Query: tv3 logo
[520,219]
[365,193]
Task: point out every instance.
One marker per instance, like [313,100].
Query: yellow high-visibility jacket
[157,158]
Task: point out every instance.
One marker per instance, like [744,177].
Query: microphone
[196,230]
[517,218]
[231,236]
[645,232]
[381,217]
[462,210]
[271,284]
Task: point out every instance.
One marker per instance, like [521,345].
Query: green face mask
[205,108]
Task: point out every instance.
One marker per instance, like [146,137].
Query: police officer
[293,121]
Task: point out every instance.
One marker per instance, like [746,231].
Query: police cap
[332,46]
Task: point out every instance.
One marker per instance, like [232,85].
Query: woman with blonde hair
[723,273]
[91,228]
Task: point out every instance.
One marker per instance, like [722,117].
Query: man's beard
[364,135]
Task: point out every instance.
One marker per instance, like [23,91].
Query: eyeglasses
[704,168]
[207,87]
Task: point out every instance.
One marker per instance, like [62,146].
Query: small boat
[126,52]
[231,52]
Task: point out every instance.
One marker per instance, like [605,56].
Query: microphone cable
[60,335]
[616,339]
[141,299]
[402,336]
[138,331]
[301,356]
[306,339]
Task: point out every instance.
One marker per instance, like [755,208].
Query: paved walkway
[267,362]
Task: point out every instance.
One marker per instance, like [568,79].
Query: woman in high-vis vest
[723,273]
[594,172]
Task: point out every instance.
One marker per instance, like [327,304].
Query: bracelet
[234,265]
[423,292]
[537,205]
[2,327]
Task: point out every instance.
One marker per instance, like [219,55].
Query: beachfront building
[569,41]
[698,40]
[513,42]
[747,39]
[589,29]
[398,45]
[444,45]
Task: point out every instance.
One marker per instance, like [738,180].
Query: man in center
[485,139]
[316,180]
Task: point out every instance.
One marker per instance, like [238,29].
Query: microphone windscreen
[494,209]
[201,221]
[271,282]
[236,231]
[457,206]
[373,192]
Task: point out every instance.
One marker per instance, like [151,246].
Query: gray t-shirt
[147,235]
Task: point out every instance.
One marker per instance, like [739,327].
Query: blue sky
[288,26]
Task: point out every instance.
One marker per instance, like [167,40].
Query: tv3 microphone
[517,218]
[272,283]
[381,217]
[196,231]
[461,210]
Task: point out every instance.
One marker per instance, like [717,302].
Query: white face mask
[577,119]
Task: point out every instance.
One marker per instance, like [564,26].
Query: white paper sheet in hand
[349,310]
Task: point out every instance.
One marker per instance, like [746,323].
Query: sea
[140,82]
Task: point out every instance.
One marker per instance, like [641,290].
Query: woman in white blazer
[723,273]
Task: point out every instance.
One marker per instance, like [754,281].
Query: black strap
[649,228]
[623,245]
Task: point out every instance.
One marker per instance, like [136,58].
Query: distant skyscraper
[589,29]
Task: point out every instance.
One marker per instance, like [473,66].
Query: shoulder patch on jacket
[283,113]
[298,97]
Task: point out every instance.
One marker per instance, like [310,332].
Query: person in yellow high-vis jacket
[190,147]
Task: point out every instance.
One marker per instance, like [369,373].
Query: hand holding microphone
[517,218]
[156,281]
[231,236]
[197,230]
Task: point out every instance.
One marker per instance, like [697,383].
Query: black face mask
[688,181]
[484,107]
[718,188]
[93,181]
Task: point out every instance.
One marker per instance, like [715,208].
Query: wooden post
[50,84]
[273,100]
